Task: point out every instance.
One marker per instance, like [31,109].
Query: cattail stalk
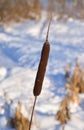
[63,127]
[48,28]
[32,113]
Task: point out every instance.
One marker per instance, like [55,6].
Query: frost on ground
[20,49]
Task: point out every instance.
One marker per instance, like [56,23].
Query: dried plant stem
[63,127]
[48,27]
[32,113]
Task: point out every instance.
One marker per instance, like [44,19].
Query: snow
[20,49]
[3,73]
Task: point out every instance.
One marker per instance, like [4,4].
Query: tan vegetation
[63,114]
[19,9]
[19,122]
[76,81]
[75,85]
[65,9]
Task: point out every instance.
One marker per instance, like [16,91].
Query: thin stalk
[48,28]
[32,113]
[63,127]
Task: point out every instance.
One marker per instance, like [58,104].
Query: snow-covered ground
[20,49]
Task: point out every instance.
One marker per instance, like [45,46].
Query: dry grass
[63,114]
[76,83]
[11,10]
[19,122]
[18,10]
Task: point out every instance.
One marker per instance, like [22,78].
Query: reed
[63,114]
[19,122]
[75,83]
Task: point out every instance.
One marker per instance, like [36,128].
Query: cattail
[41,71]
[42,66]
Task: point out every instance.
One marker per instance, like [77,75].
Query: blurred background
[18,10]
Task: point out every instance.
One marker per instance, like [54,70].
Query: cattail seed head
[41,69]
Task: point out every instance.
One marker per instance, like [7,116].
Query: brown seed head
[41,69]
